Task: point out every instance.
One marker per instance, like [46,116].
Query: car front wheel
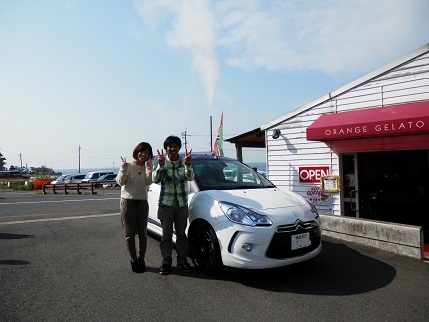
[204,249]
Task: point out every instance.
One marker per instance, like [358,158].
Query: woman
[135,178]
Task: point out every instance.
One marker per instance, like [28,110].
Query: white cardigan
[134,185]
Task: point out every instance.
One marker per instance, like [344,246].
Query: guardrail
[75,186]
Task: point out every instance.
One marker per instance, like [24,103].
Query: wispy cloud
[190,25]
[330,36]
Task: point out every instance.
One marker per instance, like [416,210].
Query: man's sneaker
[141,264]
[136,267]
[185,267]
[165,269]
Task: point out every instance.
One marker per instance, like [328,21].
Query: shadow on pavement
[15,236]
[339,270]
[13,262]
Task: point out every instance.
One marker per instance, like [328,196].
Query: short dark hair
[172,139]
[142,146]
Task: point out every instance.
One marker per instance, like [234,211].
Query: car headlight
[243,216]
[313,209]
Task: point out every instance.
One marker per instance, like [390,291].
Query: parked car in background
[74,178]
[60,179]
[108,177]
[239,219]
[69,178]
[94,175]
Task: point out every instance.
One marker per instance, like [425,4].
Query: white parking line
[56,219]
[54,201]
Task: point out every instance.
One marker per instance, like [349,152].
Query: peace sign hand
[124,161]
[188,157]
[161,159]
[149,161]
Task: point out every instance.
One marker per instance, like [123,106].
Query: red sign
[393,120]
[312,174]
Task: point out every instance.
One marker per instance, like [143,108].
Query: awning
[403,119]
[250,139]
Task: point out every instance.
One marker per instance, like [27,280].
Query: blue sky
[107,74]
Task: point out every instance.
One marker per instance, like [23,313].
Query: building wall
[404,83]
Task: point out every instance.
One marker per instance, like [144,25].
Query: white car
[69,178]
[60,179]
[94,175]
[74,178]
[244,221]
[103,180]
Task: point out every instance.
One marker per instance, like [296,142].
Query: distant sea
[261,166]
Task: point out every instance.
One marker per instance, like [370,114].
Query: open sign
[312,174]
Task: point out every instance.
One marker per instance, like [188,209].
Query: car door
[154,225]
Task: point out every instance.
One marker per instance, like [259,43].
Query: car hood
[259,199]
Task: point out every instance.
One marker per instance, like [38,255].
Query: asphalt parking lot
[76,268]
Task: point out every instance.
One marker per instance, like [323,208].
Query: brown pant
[134,214]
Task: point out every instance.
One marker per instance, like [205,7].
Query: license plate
[300,241]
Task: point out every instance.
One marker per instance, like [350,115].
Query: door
[350,193]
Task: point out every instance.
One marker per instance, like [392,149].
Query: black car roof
[202,156]
[207,156]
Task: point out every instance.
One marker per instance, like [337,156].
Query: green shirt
[172,177]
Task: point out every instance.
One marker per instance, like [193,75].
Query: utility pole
[79,157]
[20,159]
[184,136]
[211,135]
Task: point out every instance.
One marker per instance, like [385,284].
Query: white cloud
[192,27]
[330,36]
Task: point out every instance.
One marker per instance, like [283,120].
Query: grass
[16,184]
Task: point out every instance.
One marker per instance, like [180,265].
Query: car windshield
[108,177]
[216,174]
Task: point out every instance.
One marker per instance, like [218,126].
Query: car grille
[280,246]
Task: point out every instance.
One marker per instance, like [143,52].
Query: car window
[215,174]
[60,178]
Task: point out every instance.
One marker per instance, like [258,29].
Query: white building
[371,136]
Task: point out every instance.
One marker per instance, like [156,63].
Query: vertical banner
[218,146]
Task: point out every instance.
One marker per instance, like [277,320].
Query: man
[173,172]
